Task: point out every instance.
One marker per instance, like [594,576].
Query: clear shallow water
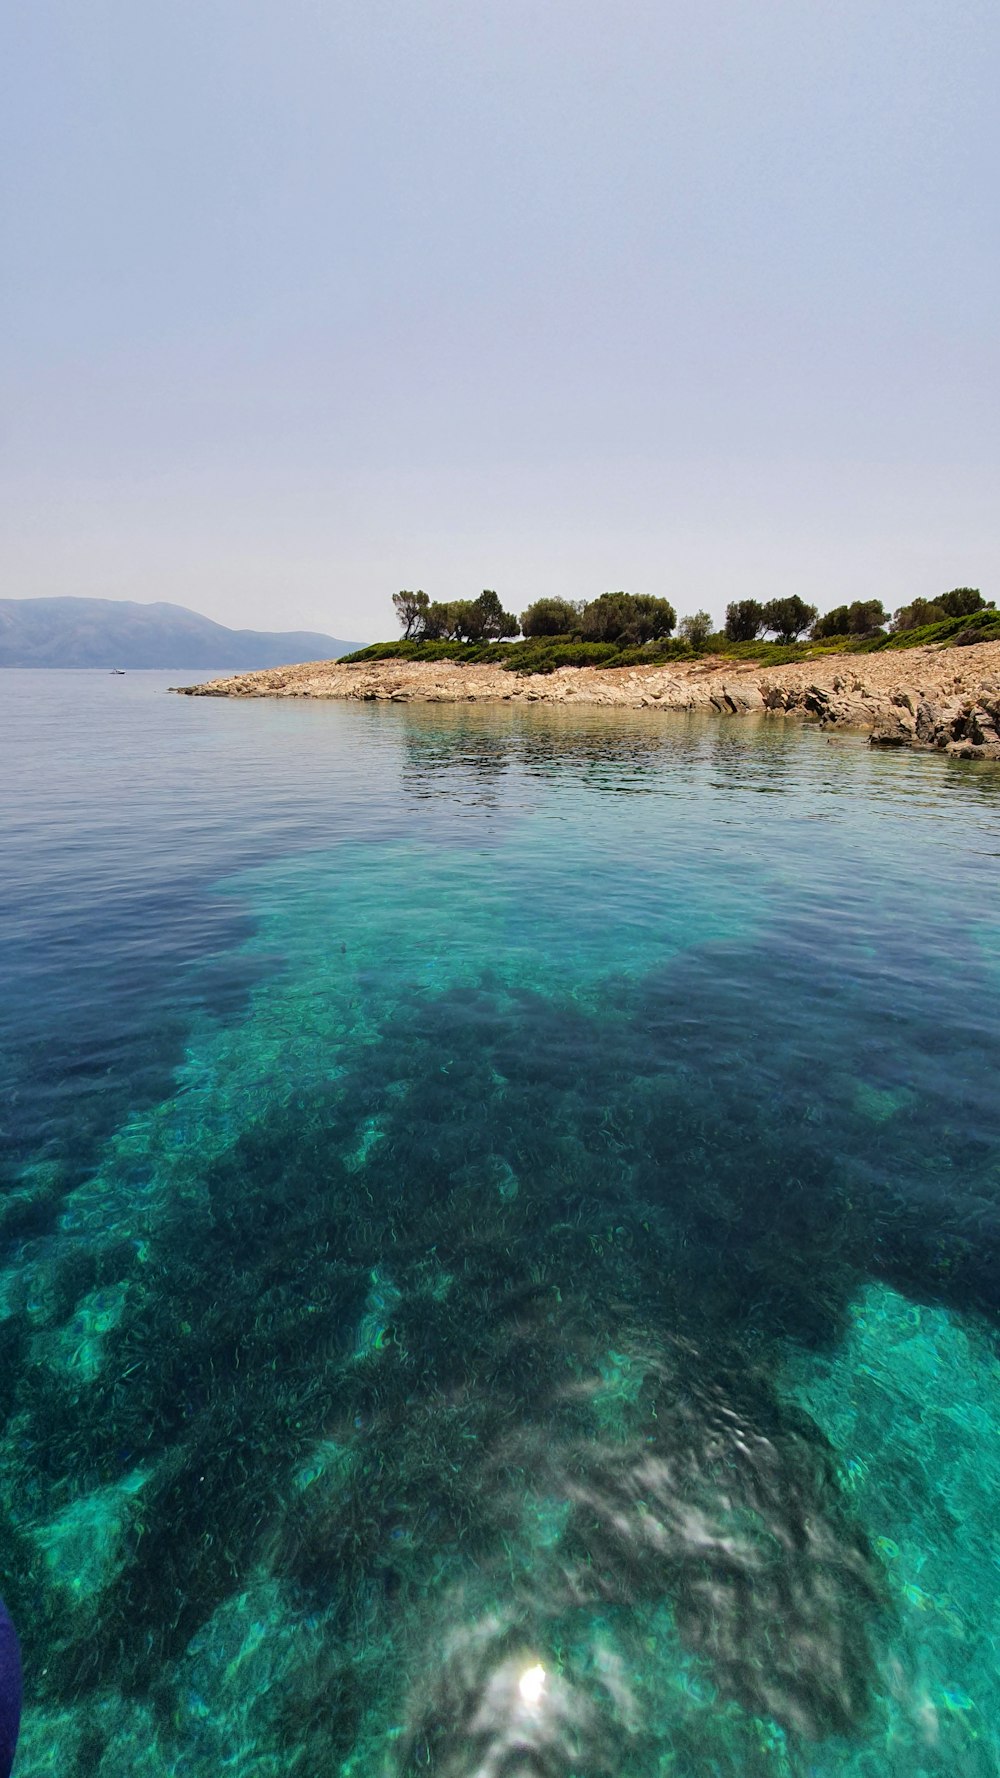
[500,1266]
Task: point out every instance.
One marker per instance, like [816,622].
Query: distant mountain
[120,633]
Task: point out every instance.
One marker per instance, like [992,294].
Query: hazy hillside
[121,633]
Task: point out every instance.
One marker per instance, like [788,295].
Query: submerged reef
[467,1363]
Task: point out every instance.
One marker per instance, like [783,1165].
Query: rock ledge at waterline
[947,698]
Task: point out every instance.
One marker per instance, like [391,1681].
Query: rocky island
[935,697]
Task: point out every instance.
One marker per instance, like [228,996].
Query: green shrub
[984,628]
[548,653]
[418,650]
[981,626]
[961,602]
[653,654]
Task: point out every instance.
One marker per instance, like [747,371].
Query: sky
[307,302]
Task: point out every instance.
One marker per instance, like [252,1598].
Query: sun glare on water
[531,1684]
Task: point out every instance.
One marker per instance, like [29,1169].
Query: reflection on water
[615,749]
[451,752]
[537,1315]
[689,1526]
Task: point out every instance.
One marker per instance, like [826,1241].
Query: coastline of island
[935,697]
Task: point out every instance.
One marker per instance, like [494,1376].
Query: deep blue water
[500,1235]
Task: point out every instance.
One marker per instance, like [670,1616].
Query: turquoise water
[500,1242]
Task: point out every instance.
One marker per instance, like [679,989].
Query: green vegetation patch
[635,630]
[534,655]
[546,654]
[959,632]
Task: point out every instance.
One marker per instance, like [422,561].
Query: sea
[499,1241]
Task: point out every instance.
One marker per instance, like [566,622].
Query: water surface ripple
[499,1242]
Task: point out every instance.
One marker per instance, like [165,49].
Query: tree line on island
[635,620]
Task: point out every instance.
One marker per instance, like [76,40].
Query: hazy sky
[307,302]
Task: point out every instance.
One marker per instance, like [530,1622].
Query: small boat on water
[119,670]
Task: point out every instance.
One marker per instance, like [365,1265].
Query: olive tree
[469,620]
[627,617]
[696,629]
[491,621]
[550,617]
[788,617]
[744,620]
[857,619]
[411,610]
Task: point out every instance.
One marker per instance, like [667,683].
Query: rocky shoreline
[944,698]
